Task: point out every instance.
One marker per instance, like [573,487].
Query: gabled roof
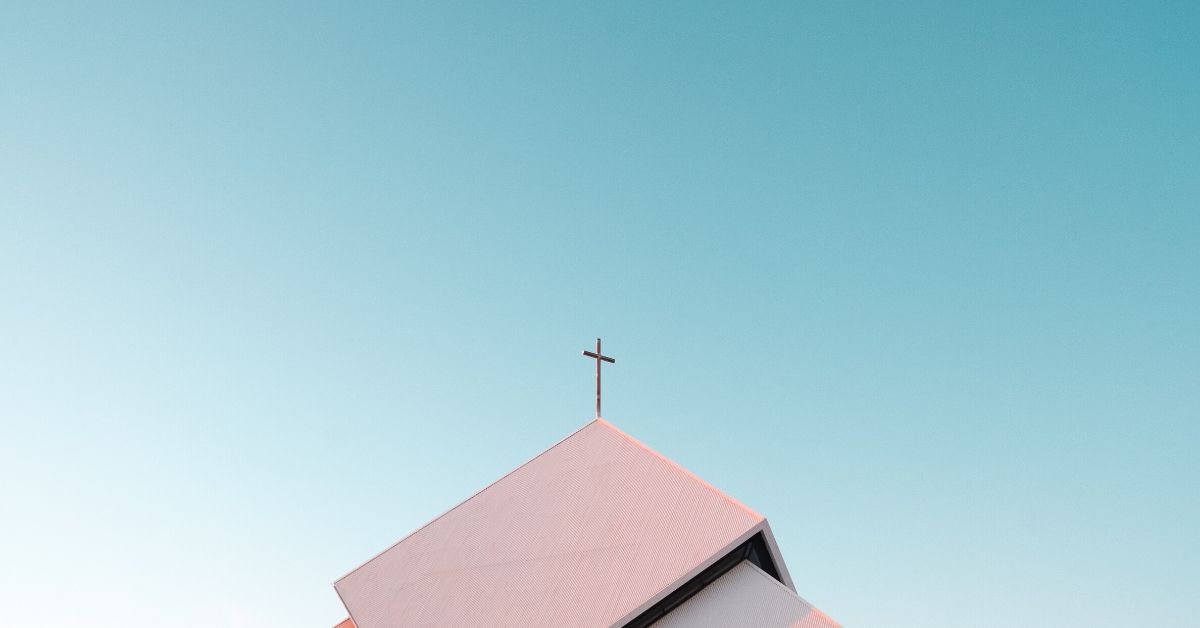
[745,596]
[590,532]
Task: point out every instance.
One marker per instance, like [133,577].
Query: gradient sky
[919,282]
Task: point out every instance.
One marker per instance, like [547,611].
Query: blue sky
[920,282]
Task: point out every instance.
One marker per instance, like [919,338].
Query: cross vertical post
[599,357]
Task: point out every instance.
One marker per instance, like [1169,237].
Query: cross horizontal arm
[600,357]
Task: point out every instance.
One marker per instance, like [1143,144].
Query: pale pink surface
[582,535]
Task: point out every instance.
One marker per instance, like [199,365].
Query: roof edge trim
[695,571]
[773,548]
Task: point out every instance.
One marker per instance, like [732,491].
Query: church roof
[592,532]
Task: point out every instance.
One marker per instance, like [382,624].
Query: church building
[598,530]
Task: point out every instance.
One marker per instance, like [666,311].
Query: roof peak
[595,501]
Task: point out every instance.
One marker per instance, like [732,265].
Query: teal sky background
[920,282]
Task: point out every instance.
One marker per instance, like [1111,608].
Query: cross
[600,357]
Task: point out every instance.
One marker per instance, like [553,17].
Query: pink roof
[588,533]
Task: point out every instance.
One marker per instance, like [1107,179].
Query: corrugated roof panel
[582,535]
[745,596]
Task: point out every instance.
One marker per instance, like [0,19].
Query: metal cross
[599,358]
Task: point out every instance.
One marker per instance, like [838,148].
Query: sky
[920,282]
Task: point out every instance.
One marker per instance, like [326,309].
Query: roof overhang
[704,573]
